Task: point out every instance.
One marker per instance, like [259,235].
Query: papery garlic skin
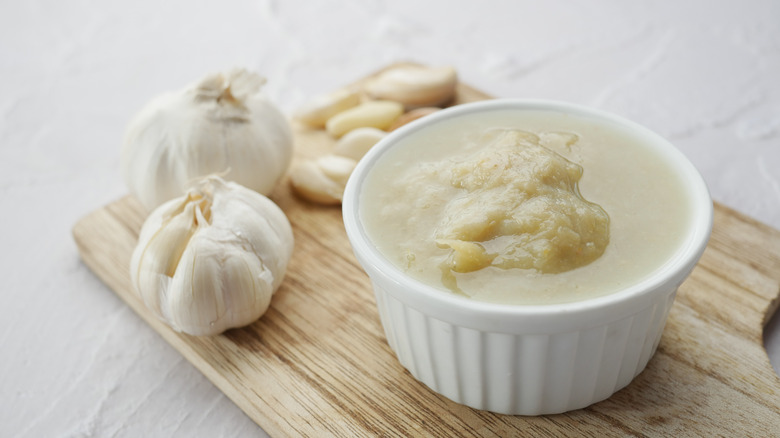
[211,260]
[223,124]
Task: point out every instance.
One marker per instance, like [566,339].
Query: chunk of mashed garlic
[517,206]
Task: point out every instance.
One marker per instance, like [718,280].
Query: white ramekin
[525,360]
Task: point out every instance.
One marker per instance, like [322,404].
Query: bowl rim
[426,297]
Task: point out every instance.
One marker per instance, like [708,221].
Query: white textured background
[76,362]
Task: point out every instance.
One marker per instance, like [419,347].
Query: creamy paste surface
[524,207]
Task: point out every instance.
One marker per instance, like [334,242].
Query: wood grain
[317,364]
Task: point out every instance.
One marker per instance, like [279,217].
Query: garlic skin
[222,124]
[210,260]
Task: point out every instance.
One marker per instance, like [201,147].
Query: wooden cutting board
[317,363]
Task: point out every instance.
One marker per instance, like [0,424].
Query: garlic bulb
[223,124]
[211,260]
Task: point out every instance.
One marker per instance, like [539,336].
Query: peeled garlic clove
[354,144]
[223,124]
[166,240]
[336,168]
[322,180]
[378,114]
[212,259]
[318,110]
[414,86]
[310,183]
[412,116]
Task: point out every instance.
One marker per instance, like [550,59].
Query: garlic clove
[322,180]
[354,144]
[378,114]
[254,225]
[225,289]
[317,111]
[165,243]
[414,86]
[337,168]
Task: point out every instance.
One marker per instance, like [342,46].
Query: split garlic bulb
[223,124]
[211,260]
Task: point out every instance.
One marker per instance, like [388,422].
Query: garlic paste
[524,207]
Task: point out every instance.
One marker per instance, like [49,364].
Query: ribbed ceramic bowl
[525,360]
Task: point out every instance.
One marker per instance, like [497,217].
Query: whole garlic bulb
[223,124]
[211,260]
